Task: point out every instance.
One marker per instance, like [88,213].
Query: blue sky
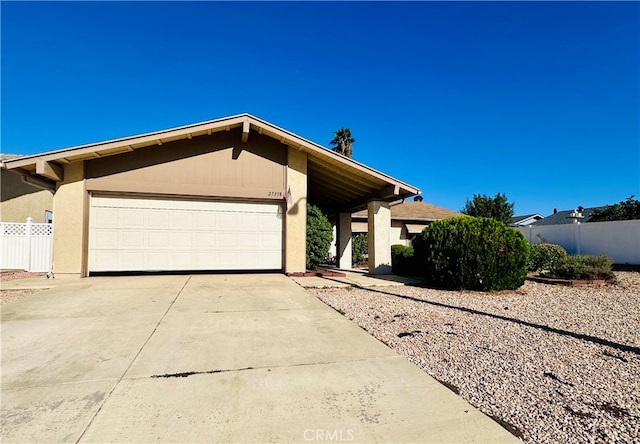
[538,100]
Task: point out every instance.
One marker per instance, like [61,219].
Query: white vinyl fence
[620,240]
[26,246]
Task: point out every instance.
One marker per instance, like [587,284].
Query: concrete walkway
[212,358]
[354,278]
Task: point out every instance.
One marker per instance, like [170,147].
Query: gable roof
[414,211]
[335,183]
[527,219]
[562,217]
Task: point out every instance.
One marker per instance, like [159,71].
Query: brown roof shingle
[414,211]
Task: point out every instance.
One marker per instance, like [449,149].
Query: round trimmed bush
[472,253]
[545,257]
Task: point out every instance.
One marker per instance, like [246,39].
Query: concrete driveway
[212,358]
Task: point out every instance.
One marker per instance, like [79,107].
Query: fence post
[578,239]
[27,266]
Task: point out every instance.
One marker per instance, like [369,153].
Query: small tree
[626,210]
[343,142]
[497,208]
[319,237]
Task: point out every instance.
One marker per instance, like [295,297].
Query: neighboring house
[408,218]
[226,194]
[527,219]
[21,197]
[565,216]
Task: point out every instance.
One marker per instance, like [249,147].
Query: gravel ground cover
[7,296]
[553,364]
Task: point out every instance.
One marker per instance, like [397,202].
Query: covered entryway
[133,233]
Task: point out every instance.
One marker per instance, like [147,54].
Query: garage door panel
[150,234]
[129,219]
[183,239]
[106,238]
[205,239]
[131,239]
[204,219]
[269,241]
[129,259]
[182,219]
[157,219]
[157,260]
[108,217]
[227,240]
[248,241]
[157,239]
[228,221]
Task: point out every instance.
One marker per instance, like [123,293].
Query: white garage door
[154,234]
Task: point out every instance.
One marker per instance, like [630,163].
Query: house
[566,216]
[21,197]
[226,194]
[408,218]
[527,219]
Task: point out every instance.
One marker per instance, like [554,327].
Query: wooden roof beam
[246,126]
[49,170]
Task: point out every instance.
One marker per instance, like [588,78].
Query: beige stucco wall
[20,200]
[219,165]
[69,209]
[296,218]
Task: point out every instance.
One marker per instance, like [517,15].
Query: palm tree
[342,140]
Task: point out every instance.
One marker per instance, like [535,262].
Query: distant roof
[562,217]
[530,218]
[414,211]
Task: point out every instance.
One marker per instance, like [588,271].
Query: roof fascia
[116,146]
[128,141]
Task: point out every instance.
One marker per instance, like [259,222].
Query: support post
[379,239]
[28,228]
[343,241]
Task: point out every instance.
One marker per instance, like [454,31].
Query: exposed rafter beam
[390,191]
[38,183]
[340,180]
[49,170]
[245,130]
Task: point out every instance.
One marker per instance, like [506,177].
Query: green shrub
[472,253]
[319,237]
[359,247]
[584,267]
[545,257]
[402,262]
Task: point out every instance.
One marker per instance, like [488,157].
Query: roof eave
[246,121]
